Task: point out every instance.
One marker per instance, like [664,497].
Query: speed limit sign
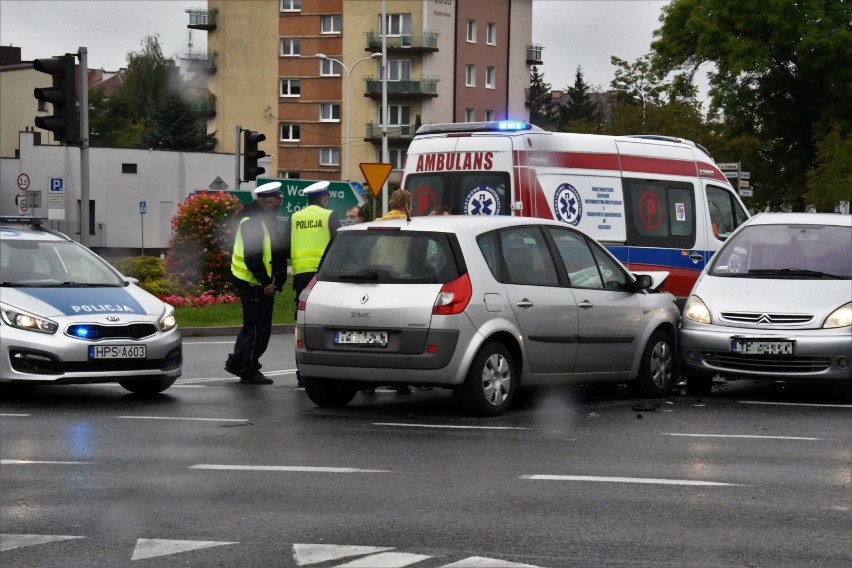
[23,181]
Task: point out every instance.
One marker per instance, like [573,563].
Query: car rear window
[390,257]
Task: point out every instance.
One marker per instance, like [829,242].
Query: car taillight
[453,297]
[303,297]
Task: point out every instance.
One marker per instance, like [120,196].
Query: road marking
[405,425]
[207,342]
[794,404]
[480,562]
[10,541]
[316,553]
[42,462]
[644,480]
[151,547]
[383,557]
[13,415]
[183,418]
[741,436]
[188,382]
[286,468]
[386,560]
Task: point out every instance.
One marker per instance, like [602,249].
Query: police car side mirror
[130,280]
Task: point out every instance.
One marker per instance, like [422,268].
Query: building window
[128,168]
[491,33]
[469,115]
[284,174]
[291,87]
[395,156]
[291,46]
[397,25]
[291,5]
[470,75]
[329,68]
[289,133]
[398,115]
[329,157]
[398,69]
[489,115]
[489,77]
[331,24]
[471,31]
[330,112]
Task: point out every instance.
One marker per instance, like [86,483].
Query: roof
[839,219]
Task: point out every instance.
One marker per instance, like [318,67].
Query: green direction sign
[342,196]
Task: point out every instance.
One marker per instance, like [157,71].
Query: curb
[229,330]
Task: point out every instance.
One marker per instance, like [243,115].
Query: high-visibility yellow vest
[309,235]
[238,259]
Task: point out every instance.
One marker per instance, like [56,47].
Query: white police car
[68,317]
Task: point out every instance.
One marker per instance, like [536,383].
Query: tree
[174,126]
[641,87]
[831,181]
[782,76]
[580,112]
[541,107]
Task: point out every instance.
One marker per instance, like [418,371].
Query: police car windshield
[53,263]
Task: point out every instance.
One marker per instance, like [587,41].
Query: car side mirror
[643,282]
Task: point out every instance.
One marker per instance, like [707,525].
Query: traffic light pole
[238,136]
[84,146]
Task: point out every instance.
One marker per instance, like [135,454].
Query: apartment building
[309,75]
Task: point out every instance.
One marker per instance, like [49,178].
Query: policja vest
[309,235]
[238,260]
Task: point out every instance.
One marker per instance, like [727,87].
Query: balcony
[411,89]
[203,105]
[201,62]
[425,42]
[534,55]
[396,132]
[200,19]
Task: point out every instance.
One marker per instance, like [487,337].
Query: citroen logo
[365,298]
[112,318]
[764,319]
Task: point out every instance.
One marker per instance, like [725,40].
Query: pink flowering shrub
[199,259]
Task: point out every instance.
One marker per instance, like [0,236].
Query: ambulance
[658,203]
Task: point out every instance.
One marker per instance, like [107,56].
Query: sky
[573,32]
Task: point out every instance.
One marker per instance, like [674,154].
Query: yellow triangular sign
[376,175]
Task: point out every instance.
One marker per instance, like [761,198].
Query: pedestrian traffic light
[62,96]
[251,154]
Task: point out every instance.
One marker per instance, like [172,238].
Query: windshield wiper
[370,275]
[790,272]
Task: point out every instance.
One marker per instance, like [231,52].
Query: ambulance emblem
[482,200]
[567,204]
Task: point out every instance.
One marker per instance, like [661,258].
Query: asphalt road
[215,473]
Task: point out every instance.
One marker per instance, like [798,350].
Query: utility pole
[83,53]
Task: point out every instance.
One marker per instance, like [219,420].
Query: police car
[68,317]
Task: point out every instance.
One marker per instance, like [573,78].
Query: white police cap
[316,189]
[271,189]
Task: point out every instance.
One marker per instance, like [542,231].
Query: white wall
[163,180]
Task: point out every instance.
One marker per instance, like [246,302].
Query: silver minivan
[480,305]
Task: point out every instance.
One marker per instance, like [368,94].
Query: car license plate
[761,347]
[362,338]
[118,352]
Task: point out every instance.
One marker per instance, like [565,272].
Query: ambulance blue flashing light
[513,125]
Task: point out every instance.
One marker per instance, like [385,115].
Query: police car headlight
[696,310]
[25,321]
[168,320]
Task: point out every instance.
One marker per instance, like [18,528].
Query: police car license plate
[761,347]
[118,351]
[362,338]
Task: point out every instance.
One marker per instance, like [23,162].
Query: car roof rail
[672,139]
[36,222]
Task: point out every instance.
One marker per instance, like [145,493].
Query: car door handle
[525,304]
[586,305]
[696,257]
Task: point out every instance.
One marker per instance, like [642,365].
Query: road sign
[23,181]
[744,184]
[34,199]
[56,199]
[218,184]
[359,189]
[746,193]
[729,166]
[143,207]
[376,175]
[730,175]
[341,196]
[745,175]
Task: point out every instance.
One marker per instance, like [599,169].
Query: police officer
[259,266]
[311,229]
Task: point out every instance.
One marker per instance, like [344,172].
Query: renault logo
[365,298]
[764,319]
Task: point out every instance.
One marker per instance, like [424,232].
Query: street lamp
[348,94]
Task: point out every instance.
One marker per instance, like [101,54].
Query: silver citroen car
[480,305]
[774,304]
[67,317]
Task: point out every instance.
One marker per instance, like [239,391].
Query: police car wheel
[148,385]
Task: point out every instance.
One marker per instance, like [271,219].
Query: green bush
[151,273]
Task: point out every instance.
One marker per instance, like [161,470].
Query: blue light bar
[513,125]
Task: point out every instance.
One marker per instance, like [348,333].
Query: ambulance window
[660,213]
[482,193]
[725,212]
[428,191]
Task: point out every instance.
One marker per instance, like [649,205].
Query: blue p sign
[57,184]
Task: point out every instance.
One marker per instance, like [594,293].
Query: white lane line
[386,560]
[482,562]
[188,382]
[10,541]
[644,480]
[153,547]
[300,468]
[182,418]
[33,462]
[742,436]
[794,404]
[460,427]
[13,415]
[185,342]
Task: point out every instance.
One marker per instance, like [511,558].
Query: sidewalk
[229,330]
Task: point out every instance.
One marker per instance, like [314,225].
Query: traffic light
[251,154]
[62,96]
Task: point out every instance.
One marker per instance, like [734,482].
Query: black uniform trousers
[257,328]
